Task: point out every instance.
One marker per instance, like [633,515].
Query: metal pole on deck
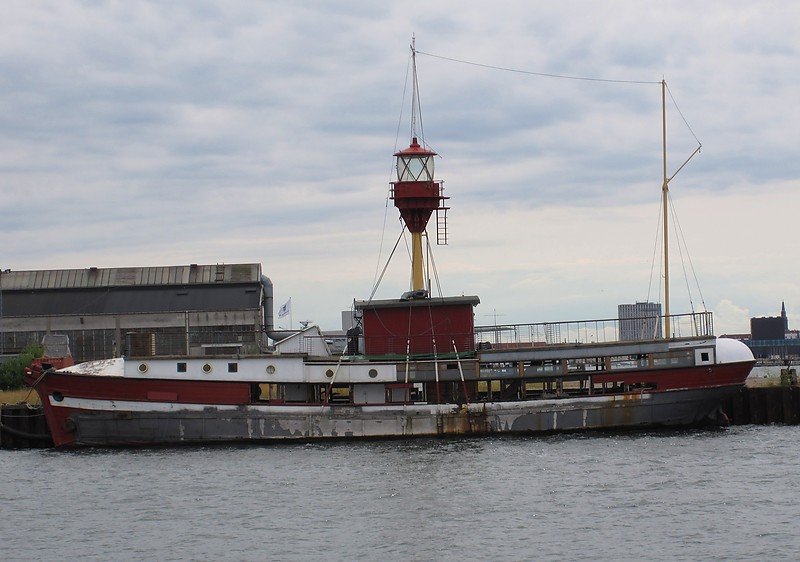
[664,204]
[2,338]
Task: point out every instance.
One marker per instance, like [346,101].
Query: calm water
[729,494]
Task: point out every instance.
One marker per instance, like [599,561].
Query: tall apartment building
[638,321]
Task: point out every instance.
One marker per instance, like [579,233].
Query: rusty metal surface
[275,423]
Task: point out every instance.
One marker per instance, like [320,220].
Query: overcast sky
[161,133]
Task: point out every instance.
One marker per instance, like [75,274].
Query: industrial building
[110,312]
[770,327]
[771,338]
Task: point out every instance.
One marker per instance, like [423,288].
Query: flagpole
[291,326]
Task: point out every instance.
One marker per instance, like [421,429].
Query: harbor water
[699,494]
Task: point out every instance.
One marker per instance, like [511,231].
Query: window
[340,394]
[415,168]
[181,367]
[233,367]
[704,356]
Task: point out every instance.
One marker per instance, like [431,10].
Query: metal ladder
[441,226]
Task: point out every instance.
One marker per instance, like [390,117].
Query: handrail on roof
[608,330]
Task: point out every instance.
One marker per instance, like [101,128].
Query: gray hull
[140,424]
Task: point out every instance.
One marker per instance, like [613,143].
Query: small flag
[285,309]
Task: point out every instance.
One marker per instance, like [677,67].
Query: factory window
[181,367]
[233,367]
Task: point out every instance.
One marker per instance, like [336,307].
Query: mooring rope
[24,434]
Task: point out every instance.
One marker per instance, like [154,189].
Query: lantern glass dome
[415,167]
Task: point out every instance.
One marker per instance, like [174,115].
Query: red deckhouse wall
[389,330]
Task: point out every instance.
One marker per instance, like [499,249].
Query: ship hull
[103,422]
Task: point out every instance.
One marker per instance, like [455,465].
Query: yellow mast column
[664,203]
[417,277]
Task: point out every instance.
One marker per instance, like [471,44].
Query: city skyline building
[641,320]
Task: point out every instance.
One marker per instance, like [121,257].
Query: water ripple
[656,495]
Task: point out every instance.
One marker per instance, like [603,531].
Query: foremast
[664,206]
[665,200]
[416,193]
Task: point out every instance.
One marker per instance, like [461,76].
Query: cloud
[730,318]
[149,133]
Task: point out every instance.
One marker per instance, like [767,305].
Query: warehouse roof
[97,277]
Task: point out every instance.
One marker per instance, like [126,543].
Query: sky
[166,133]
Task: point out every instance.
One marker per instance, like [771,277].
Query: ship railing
[609,330]
[225,342]
[201,341]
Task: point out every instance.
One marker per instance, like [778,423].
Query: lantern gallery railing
[612,330]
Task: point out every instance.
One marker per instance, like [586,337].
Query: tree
[11,371]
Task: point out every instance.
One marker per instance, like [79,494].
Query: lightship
[414,366]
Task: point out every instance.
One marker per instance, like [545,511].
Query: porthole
[329,373]
[207,368]
[58,397]
[270,369]
[142,367]
[373,373]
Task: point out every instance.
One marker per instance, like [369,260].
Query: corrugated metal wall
[92,278]
[169,305]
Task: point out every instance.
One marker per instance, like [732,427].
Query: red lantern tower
[417,324]
[416,195]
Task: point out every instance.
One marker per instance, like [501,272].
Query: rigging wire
[416,113]
[661,273]
[432,264]
[680,252]
[543,74]
[682,239]
[408,250]
[386,201]
[375,288]
[655,252]
[685,122]
[416,103]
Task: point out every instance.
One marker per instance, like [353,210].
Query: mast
[417,278]
[664,203]
[415,192]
